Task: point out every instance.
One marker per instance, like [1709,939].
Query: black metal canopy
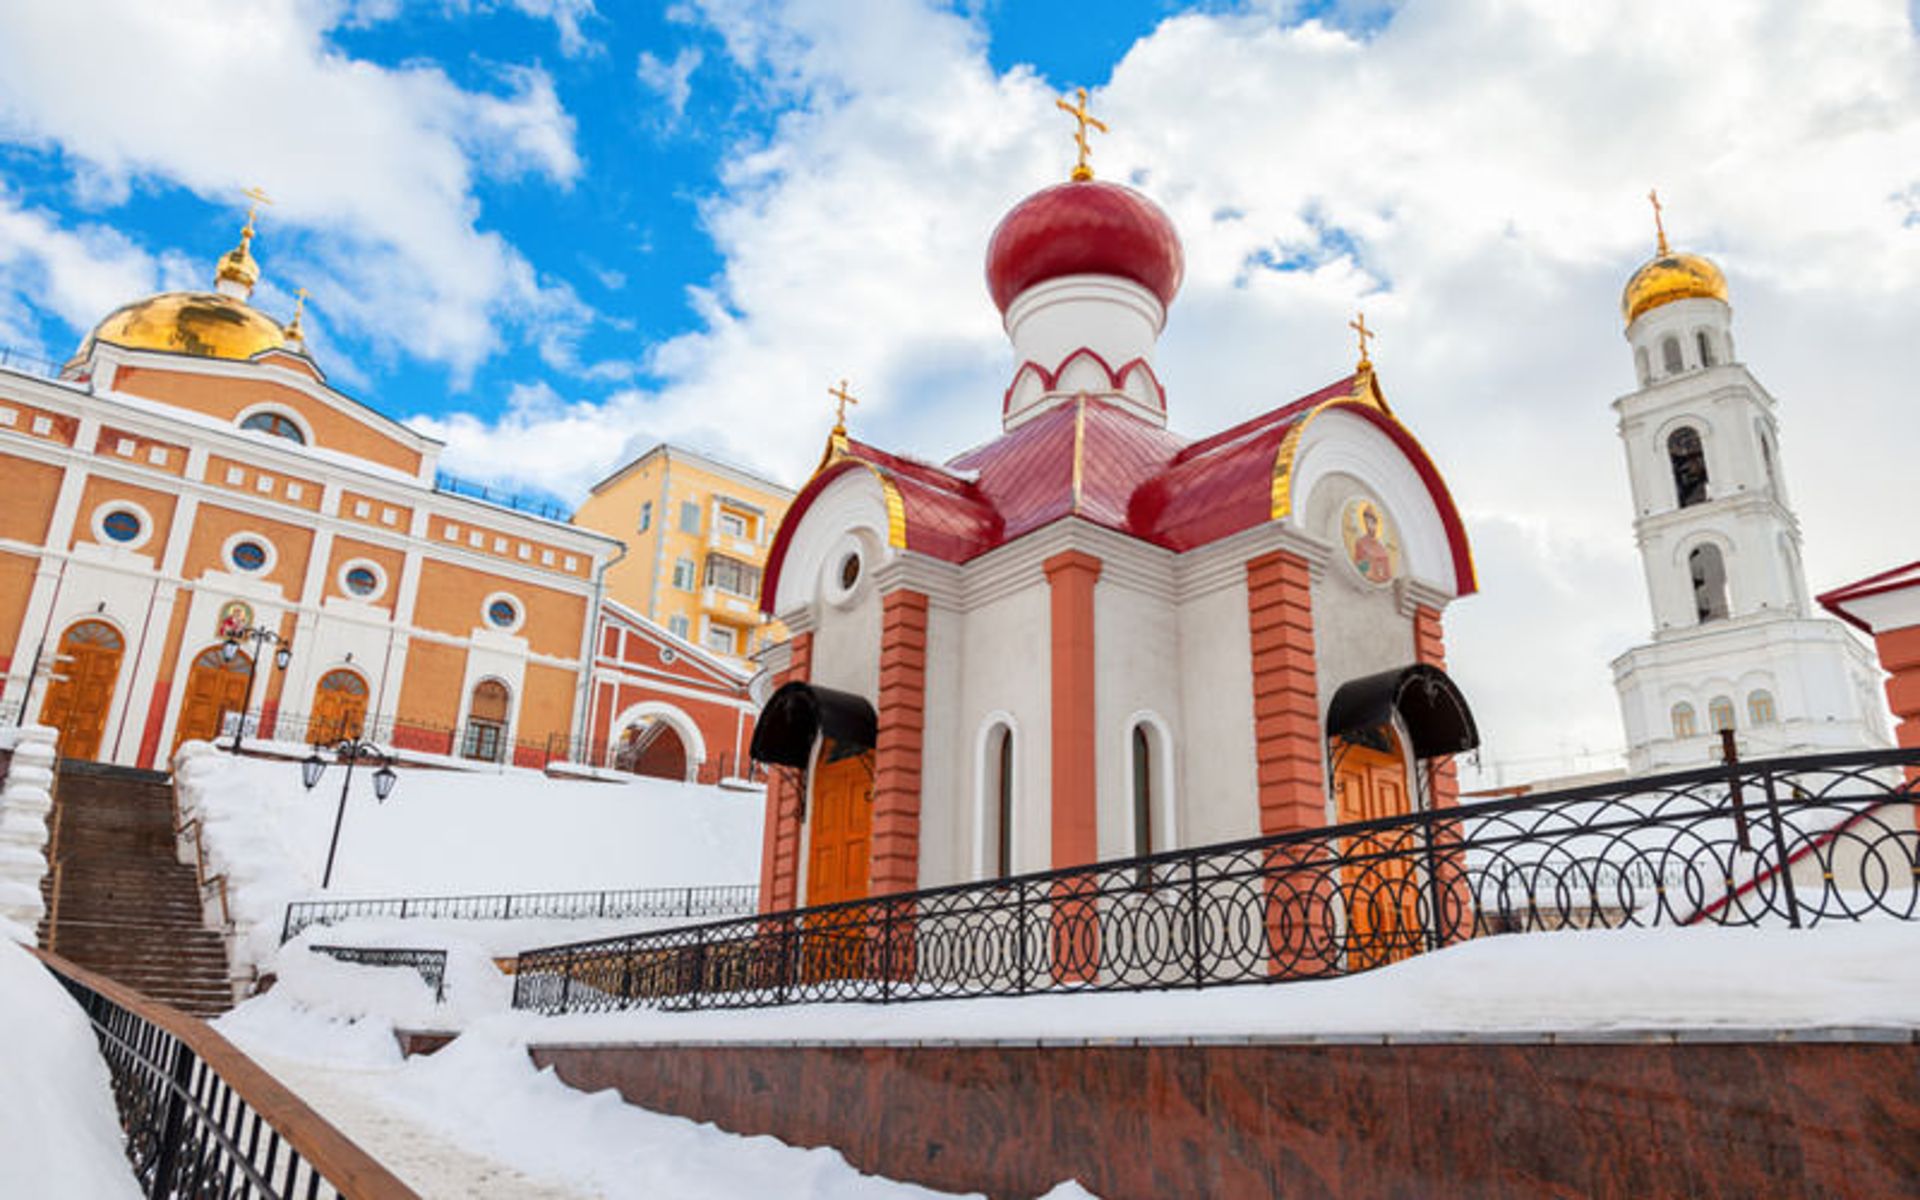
[1430,705]
[798,712]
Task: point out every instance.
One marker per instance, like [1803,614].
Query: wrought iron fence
[202,1120]
[432,964]
[539,506]
[1793,841]
[688,903]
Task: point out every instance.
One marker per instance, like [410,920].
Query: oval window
[503,613]
[121,526]
[249,556]
[361,581]
[849,572]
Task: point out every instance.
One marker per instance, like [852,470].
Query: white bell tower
[1735,644]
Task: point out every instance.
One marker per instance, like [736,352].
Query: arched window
[1641,366]
[1683,724]
[1670,355]
[1760,707]
[1720,713]
[1766,461]
[1142,791]
[1000,795]
[1709,573]
[486,738]
[1704,341]
[1689,459]
[277,424]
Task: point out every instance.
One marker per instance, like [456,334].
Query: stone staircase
[127,907]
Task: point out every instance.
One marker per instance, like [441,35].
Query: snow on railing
[697,902]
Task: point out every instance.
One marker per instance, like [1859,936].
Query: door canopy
[1431,708]
[799,712]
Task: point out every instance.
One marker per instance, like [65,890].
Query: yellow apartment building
[697,532]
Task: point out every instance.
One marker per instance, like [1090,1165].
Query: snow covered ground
[442,833]
[59,1134]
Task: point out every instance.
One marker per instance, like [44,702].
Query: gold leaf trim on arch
[896,508]
[1366,391]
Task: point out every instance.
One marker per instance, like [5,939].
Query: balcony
[729,606]
[745,548]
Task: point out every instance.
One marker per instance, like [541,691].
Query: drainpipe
[591,649]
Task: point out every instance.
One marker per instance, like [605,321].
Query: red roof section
[1899,578]
[1132,477]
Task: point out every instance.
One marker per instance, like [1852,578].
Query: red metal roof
[1096,460]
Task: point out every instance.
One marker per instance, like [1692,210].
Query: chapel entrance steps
[127,907]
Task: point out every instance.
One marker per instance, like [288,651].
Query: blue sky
[552,233]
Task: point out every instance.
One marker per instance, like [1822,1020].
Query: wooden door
[214,689]
[339,707]
[81,694]
[1378,883]
[840,839]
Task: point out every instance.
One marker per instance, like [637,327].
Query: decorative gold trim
[1079,446]
[896,508]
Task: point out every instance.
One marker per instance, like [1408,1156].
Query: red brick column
[1899,651]
[1430,647]
[1070,579]
[896,768]
[780,834]
[1071,575]
[1287,734]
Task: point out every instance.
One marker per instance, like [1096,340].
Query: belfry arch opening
[1708,571]
[1689,461]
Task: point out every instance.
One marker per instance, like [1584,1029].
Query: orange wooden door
[1383,923]
[214,689]
[339,707]
[81,694]
[840,840]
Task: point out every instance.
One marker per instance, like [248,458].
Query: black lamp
[383,781]
[228,649]
[283,656]
[310,770]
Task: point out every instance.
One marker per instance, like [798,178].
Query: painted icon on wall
[235,615]
[1372,547]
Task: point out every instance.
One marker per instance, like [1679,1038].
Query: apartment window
[678,626]
[732,576]
[689,516]
[719,638]
[646,516]
[732,524]
[683,574]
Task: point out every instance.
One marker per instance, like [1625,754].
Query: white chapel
[1735,642]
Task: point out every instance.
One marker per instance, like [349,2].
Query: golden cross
[258,197]
[1359,326]
[845,398]
[1659,227]
[299,304]
[1082,118]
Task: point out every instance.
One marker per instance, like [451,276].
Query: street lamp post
[349,751]
[259,635]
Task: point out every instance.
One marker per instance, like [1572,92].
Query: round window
[849,572]
[249,556]
[121,526]
[361,581]
[503,613]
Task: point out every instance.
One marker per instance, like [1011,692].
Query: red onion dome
[1085,227]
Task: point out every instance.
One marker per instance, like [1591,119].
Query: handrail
[1310,903]
[186,1095]
[696,900]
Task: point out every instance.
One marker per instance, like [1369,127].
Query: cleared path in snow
[423,1157]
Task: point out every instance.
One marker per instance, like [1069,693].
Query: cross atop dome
[1083,117]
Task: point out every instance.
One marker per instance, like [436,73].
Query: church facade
[1736,643]
[1092,637]
[190,477]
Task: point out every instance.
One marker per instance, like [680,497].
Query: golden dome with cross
[1668,276]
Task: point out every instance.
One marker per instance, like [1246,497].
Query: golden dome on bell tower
[1668,276]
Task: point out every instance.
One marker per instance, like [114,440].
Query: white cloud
[671,81]
[380,162]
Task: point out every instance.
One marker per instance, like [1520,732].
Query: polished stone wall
[1823,1114]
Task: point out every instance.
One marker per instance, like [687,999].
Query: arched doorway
[339,707]
[215,687]
[486,737]
[81,693]
[652,746]
[1382,895]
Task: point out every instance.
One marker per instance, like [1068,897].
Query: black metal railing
[431,964]
[202,1120]
[685,903]
[539,506]
[1702,846]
